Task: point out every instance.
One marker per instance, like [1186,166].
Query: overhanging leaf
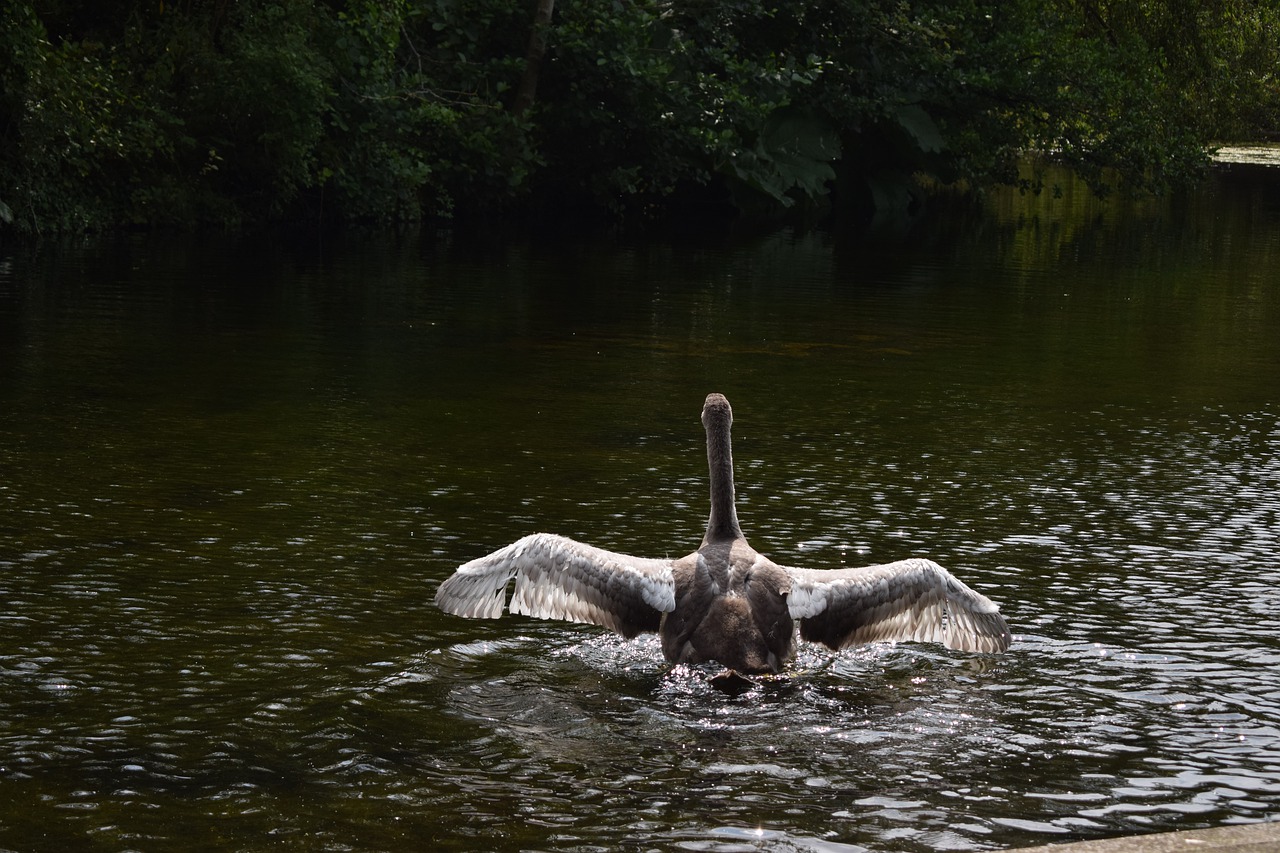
[920,125]
[800,134]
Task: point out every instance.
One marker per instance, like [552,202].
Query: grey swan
[726,602]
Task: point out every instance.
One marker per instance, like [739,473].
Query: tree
[211,111]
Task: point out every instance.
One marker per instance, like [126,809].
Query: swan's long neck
[717,417]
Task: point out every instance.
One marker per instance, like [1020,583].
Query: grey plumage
[908,600]
[725,601]
[558,578]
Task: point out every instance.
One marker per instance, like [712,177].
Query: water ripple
[220,546]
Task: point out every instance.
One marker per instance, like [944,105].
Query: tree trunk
[528,87]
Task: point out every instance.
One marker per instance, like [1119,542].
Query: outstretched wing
[907,600]
[558,578]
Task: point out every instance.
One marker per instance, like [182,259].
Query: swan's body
[726,602]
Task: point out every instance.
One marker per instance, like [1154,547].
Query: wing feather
[558,578]
[907,600]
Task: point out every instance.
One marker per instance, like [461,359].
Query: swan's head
[716,413]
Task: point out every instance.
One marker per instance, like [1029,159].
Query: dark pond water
[233,473]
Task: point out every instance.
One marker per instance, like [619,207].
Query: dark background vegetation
[190,112]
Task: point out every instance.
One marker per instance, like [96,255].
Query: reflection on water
[230,481]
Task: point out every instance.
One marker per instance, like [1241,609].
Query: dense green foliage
[196,111]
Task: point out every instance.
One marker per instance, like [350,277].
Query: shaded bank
[130,113]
